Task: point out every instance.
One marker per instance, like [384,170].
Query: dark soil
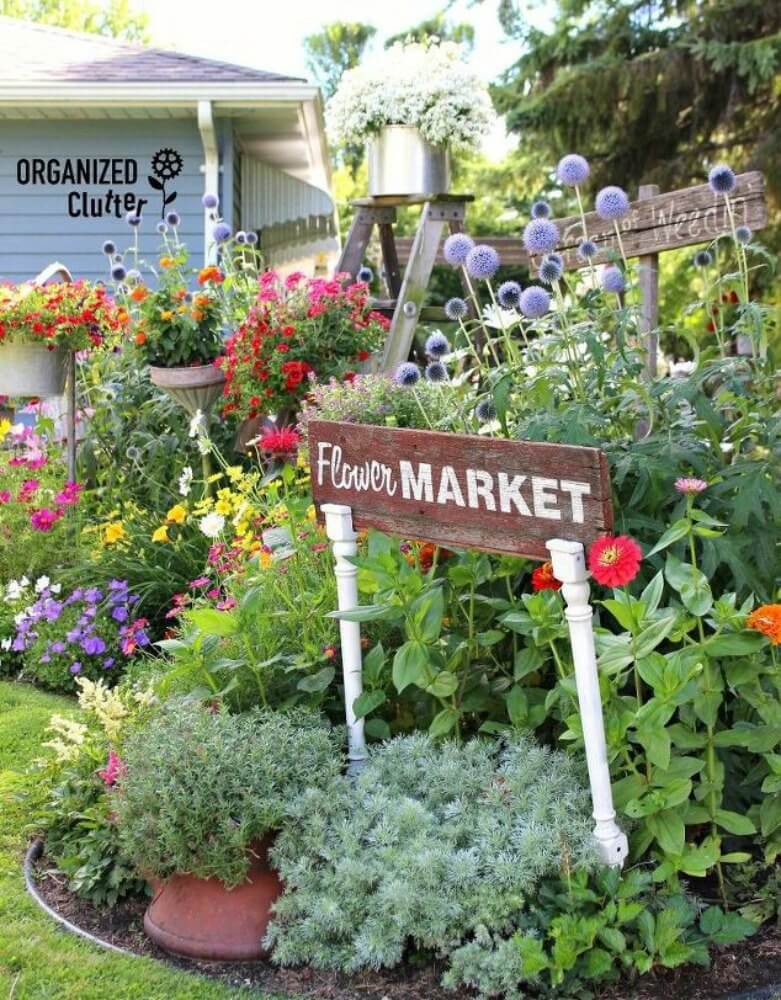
[749,966]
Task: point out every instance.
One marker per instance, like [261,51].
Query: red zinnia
[614,561]
[543,578]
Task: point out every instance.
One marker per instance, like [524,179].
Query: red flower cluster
[297,329]
[280,443]
[73,315]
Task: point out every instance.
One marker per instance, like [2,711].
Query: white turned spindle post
[569,566]
[339,528]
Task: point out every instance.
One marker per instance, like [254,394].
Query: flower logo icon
[167,164]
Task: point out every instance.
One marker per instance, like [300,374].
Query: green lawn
[37,958]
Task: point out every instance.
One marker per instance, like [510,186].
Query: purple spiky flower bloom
[703,258]
[612,279]
[210,201]
[541,210]
[173,218]
[221,232]
[109,248]
[437,345]
[612,203]
[482,261]
[535,302]
[485,410]
[572,170]
[721,179]
[252,238]
[509,294]
[118,272]
[162,227]
[436,372]
[132,219]
[407,374]
[551,269]
[456,248]
[241,236]
[540,236]
[456,309]
[366,275]
[587,249]
[743,234]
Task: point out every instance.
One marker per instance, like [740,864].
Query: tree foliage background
[115,18]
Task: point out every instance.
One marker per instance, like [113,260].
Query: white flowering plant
[425,85]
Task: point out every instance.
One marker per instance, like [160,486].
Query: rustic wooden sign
[462,490]
[662,222]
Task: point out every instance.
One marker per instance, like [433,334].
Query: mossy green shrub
[436,847]
[201,785]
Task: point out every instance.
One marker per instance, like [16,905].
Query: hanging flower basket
[195,388]
[32,370]
[402,162]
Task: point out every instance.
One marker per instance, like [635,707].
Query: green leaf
[598,963]
[367,702]
[697,861]
[533,957]
[426,614]
[374,663]
[657,745]
[678,530]
[612,938]
[443,685]
[213,622]
[409,665]
[490,637]
[739,644]
[735,823]
[378,729]
[518,707]
[770,814]
[621,612]
[652,594]
[654,633]
[365,613]
[527,660]
[691,583]
[317,682]
[444,722]
[669,830]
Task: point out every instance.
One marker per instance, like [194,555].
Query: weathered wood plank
[462,490]
[355,245]
[648,280]
[390,259]
[653,225]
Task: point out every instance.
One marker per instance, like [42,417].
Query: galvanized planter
[195,388]
[32,370]
[401,162]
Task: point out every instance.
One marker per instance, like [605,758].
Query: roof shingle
[32,52]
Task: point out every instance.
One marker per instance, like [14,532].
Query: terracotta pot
[32,370]
[195,388]
[200,918]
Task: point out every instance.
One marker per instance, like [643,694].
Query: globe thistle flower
[118,272]
[540,236]
[703,258]
[437,345]
[252,238]
[366,275]
[241,236]
[173,218]
[162,227]
[743,235]
[572,170]
[587,249]
[534,302]
[407,374]
[456,248]
[541,210]
[508,294]
[612,279]
[109,247]
[485,411]
[456,309]
[551,269]
[210,201]
[436,372]
[612,203]
[482,261]
[133,276]
[221,232]
[721,179]
[132,219]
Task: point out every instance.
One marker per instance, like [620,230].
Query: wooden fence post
[648,276]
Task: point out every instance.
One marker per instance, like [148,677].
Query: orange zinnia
[139,293]
[767,620]
[543,578]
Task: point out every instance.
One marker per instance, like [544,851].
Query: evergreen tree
[650,90]
[436,27]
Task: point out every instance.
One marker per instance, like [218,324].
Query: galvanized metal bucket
[401,162]
[32,370]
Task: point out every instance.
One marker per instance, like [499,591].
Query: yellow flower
[114,532]
[311,513]
[161,534]
[177,514]
[104,703]
[234,472]
[166,315]
[5,427]
[223,507]
[265,560]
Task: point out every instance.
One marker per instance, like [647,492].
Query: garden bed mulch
[750,965]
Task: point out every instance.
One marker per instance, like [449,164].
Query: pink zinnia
[44,519]
[690,485]
[614,561]
[5,496]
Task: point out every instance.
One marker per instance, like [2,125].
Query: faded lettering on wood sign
[462,490]
[663,222]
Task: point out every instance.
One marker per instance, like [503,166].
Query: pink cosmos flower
[27,490]
[45,518]
[690,485]
[69,494]
[5,496]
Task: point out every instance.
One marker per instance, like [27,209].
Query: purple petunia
[456,248]
[612,203]
[540,236]
[93,645]
[119,614]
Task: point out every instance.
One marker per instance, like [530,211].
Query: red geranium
[614,561]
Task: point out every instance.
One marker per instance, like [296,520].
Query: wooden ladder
[407,291]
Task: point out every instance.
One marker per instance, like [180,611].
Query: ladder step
[428,314]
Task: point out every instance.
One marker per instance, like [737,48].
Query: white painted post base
[339,528]
[569,566]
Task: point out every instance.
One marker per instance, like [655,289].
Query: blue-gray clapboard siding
[35,228]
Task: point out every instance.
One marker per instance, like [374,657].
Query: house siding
[35,227]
